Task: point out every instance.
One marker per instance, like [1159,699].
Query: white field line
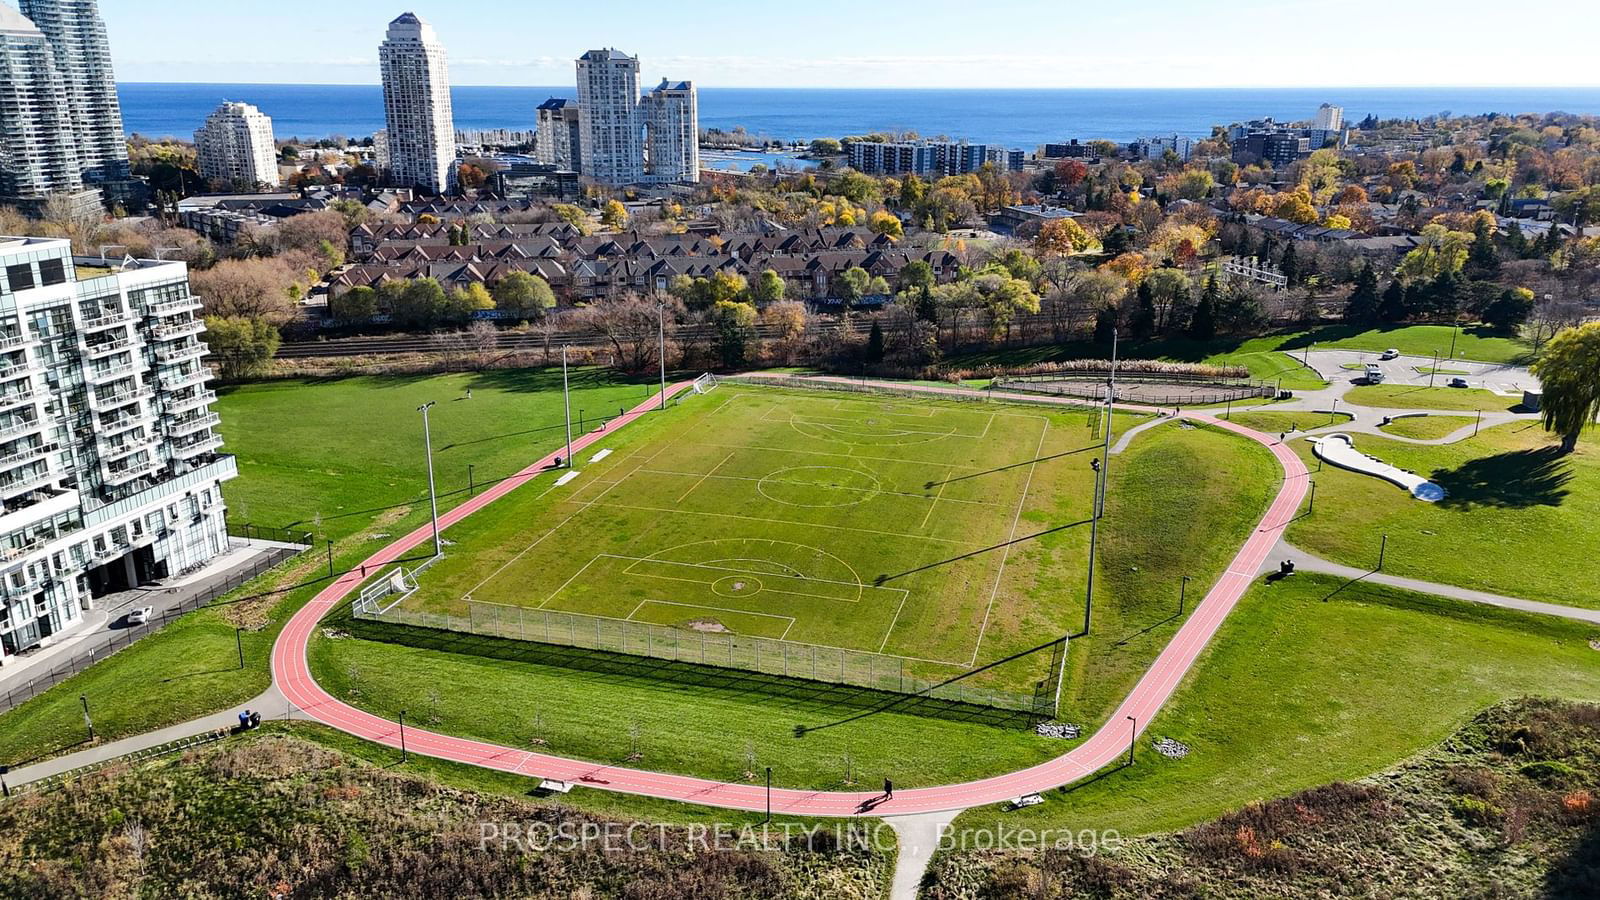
[935,504]
[1006,555]
[714,568]
[770,480]
[890,630]
[693,512]
[705,476]
[557,591]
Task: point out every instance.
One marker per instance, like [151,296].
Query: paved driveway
[1502,379]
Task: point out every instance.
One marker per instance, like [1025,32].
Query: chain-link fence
[787,659]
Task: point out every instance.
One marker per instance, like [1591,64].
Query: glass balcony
[17,458]
[173,307]
[110,373]
[191,424]
[205,444]
[15,399]
[182,352]
[107,348]
[193,400]
[177,381]
[120,475]
[177,331]
[107,320]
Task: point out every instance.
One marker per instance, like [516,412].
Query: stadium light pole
[661,327]
[433,497]
[1102,467]
[566,401]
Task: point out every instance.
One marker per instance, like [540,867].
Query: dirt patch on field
[711,626]
[1595,645]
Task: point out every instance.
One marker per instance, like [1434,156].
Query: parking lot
[1343,366]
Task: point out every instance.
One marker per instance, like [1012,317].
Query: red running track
[292,675]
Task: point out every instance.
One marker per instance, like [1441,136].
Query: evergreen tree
[1516,241]
[1290,266]
[1203,324]
[1444,294]
[1362,307]
[1548,243]
[875,343]
[1508,311]
[1393,306]
[1483,259]
[1105,325]
[1144,315]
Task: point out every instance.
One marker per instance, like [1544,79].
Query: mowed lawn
[1405,396]
[330,453]
[1311,680]
[905,528]
[1518,519]
[1270,422]
[1426,428]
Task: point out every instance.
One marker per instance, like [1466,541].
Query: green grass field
[1272,422]
[1405,396]
[901,528]
[1311,680]
[1426,428]
[1519,519]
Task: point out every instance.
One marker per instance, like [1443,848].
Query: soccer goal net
[705,383]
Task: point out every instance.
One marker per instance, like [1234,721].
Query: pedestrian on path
[888,789]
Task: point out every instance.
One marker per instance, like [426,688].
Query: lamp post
[1133,737]
[1435,370]
[472,484]
[566,402]
[769,795]
[661,326]
[1455,329]
[433,497]
[87,722]
[238,641]
[1183,593]
[403,755]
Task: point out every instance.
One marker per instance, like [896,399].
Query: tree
[734,323]
[1482,259]
[1362,307]
[1144,312]
[886,223]
[1438,250]
[251,288]
[419,304]
[875,343]
[355,305]
[1507,312]
[851,285]
[769,288]
[566,212]
[614,215]
[1203,324]
[1290,265]
[1062,237]
[242,346]
[826,147]
[1570,372]
[464,301]
[525,294]
[1394,306]
[1105,325]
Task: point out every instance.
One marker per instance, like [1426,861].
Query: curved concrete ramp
[1340,450]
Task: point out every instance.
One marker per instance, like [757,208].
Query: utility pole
[433,497]
[661,325]
[566,401]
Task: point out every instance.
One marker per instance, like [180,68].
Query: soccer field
[929,531]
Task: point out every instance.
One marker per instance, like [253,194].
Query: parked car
[1390,353]
[141,615]
[1458,382]
[1374,374]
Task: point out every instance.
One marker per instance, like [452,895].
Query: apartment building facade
[925,158]
[560,140]
[612,130]
[672,133]
[110,470]
[235,146]
[420,131]
[77,35]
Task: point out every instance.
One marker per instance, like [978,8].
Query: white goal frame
[705,384]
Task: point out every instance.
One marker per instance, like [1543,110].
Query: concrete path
[919,838]
[271,704]
[1306,562]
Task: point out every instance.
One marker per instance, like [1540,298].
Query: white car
[1390,353]
[141,615]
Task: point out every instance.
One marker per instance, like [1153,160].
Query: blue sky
[902,43]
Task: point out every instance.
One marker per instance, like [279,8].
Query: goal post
[705,383]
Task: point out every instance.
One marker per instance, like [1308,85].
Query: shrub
[1476,811]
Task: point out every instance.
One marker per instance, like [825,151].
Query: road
[292,674]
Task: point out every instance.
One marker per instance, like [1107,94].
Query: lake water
[1014,118]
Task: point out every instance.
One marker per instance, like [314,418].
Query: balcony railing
[16,342]
[18,429]
[193,448]
[96,351]
[123,475]
[13,487]
[172,307]
[120,398]
[122,450]
[39,451]
[15,399]
[111,373]
[193,423]
[108,320]
[190,401]
[12,373]
[178,331]
[181,352]
[177,381]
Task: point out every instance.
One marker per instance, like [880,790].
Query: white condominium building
[110,473]
[1328,118]
[560,138]
[421,130]
[612,131]
[235,146]
[38,144]
[672,127]
[83,61]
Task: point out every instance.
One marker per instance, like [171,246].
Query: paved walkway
[1306,562]
[919,838]
[270,704]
